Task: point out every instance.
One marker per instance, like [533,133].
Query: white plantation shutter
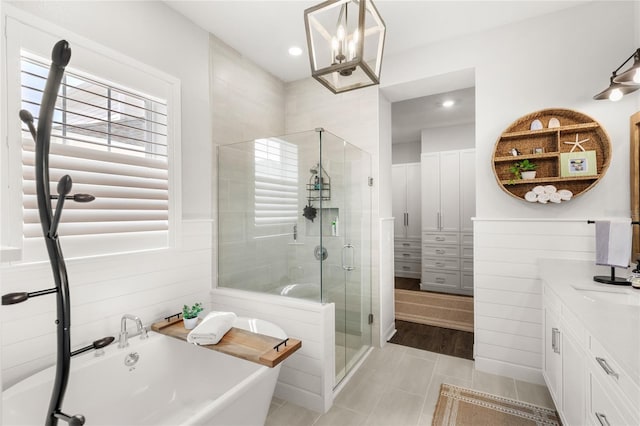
[276,185]
[112,141]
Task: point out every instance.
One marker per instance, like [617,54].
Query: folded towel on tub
[613,242]
[215,325]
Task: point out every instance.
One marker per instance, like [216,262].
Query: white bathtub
[173,383]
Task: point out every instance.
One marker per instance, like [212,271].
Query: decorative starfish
[577,143]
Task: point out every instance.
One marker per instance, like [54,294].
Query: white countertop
[615,326]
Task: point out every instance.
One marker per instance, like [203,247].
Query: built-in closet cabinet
[407,219]
[448,204]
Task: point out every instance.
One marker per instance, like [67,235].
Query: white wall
[522,68]
[408,152]
[149,284]
[448,138]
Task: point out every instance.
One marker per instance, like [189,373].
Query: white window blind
[112,141]
[276,183]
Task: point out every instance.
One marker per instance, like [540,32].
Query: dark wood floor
[435,339]
[429,338]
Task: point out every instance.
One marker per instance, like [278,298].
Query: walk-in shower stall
[295,220]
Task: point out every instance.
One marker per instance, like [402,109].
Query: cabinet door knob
[440,264]
[406,268]
[406,254]
[439,251]
[607,368]
[405,244]
[440,280]
[440,238]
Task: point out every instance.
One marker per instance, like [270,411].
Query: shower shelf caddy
[319,186]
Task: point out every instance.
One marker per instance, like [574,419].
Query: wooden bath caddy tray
[237,342]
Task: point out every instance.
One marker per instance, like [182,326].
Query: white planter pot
[528,175]
[190,323]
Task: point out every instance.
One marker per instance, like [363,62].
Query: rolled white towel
[212,328]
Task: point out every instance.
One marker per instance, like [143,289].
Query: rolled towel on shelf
[613,242]
[212,328]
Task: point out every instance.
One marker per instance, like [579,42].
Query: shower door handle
[345,266]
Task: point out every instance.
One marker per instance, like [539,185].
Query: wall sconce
[625,83]
[345,40]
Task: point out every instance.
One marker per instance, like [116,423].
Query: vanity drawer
[602,410]
[441,263]
[466,239]
[441,251]
[439,238]
[467,281]
[612,373]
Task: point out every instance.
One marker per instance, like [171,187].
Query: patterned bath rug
[458,406]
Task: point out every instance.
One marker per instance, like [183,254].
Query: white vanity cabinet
[564,360]
[591,362]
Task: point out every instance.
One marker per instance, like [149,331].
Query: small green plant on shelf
[524,169]
[191,312]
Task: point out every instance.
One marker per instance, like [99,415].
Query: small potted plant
[190,315]
[524,169]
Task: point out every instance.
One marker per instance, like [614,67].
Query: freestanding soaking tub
[171,383]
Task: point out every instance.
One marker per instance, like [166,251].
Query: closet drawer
[402,244]
[445,279]
[439,238]
[408,256]
[407,266]
[466,239]
[612,373]
[441,263]
[467,264]
[467,281]
[440,251]
[466,252]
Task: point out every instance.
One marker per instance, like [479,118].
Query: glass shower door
[346,276]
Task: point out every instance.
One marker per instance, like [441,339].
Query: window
[112,141]
[276,186]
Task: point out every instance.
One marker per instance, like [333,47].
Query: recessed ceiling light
[295,51]
[448,103]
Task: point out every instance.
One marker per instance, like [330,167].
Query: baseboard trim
[519,372]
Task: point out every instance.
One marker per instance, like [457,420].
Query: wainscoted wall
[307,377]
[508,291]
[150,285]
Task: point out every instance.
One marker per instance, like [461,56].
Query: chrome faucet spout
[123,337]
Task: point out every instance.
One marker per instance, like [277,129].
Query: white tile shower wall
[150,285]
[508,291]
[307,377]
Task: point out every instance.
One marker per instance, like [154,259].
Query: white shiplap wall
[150,284]
[508,291]
[307,377]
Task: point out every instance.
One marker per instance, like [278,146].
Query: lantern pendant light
[345,40]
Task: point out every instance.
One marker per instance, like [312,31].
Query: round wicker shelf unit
[573,154]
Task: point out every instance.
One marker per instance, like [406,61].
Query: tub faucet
[124,336]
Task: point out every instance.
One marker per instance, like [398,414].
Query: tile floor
[387,391]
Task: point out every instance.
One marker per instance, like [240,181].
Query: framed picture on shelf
[578,163]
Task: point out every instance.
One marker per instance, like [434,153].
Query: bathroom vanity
[591,337]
